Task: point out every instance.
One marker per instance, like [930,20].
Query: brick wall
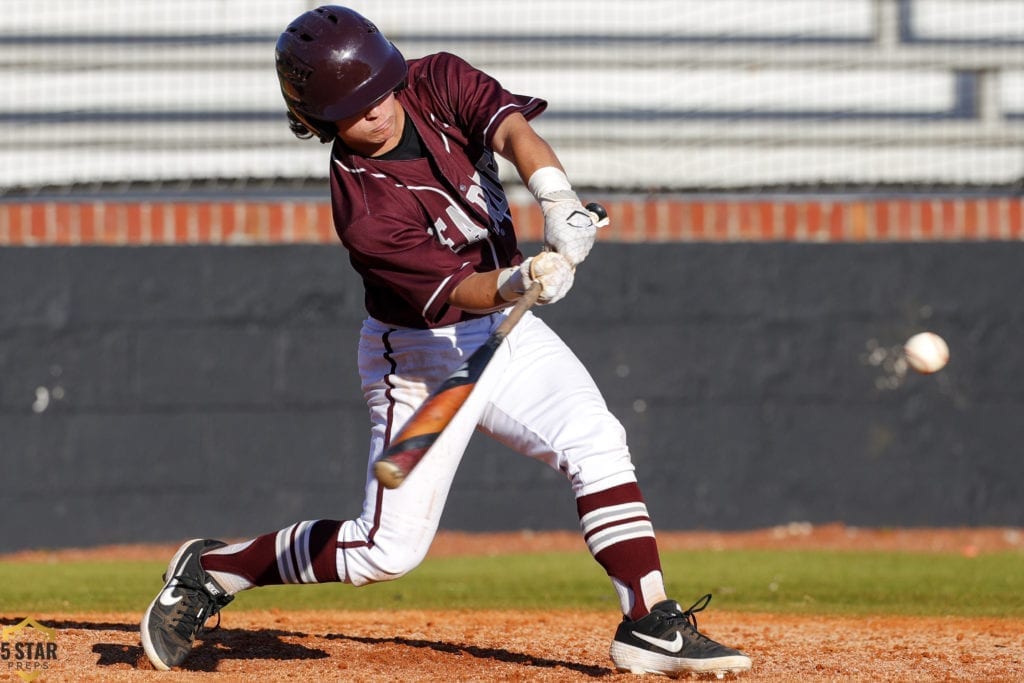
[640,220]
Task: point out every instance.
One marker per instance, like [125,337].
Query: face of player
[375,131]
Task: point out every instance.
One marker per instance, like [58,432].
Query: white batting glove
[568,227]
[552,270]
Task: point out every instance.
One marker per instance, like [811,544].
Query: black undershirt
[409,147]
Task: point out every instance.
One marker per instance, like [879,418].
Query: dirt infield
[555,646]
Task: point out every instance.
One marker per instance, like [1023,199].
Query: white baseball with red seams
[926,352]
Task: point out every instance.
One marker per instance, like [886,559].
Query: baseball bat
[416,437]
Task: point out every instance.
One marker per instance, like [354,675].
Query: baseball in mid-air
[926,352]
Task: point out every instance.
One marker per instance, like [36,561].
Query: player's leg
[389,538]
[399,368]
[204,574]
[549,408]
[394,531]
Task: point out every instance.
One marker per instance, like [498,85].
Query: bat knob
[598,214]
[388,474]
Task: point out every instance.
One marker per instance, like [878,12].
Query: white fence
[651,94]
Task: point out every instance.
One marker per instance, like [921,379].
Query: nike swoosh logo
[167,598]
[667,645]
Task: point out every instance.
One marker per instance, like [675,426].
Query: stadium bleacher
[654,94]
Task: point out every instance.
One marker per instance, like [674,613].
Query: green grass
[804,582]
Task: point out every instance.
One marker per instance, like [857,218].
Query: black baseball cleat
[667,642]
[179,611]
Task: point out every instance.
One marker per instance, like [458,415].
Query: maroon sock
[302,553]
[620,536]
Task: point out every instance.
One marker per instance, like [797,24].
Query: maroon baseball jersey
[415,228]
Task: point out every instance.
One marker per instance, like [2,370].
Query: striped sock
[305,552]
[620,536]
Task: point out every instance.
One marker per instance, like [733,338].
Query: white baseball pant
[535,397]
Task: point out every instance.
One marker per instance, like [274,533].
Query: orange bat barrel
[421,431]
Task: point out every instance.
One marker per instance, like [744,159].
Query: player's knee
[603,457]
[396,565]
[606,442]
[379,564]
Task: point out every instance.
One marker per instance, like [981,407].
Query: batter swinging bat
[431,418]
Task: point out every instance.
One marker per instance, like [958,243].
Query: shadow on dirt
[61,625]
[211,647]
[496,654]
[219,644]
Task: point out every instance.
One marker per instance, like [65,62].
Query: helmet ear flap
[304,127]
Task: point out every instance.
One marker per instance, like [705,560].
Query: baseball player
[419,206]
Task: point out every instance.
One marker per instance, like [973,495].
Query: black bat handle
[598,213]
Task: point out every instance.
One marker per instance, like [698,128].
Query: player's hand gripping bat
[430,419]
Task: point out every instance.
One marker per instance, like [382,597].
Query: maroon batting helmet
[334,63]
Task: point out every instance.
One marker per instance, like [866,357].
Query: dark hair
[325,131]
